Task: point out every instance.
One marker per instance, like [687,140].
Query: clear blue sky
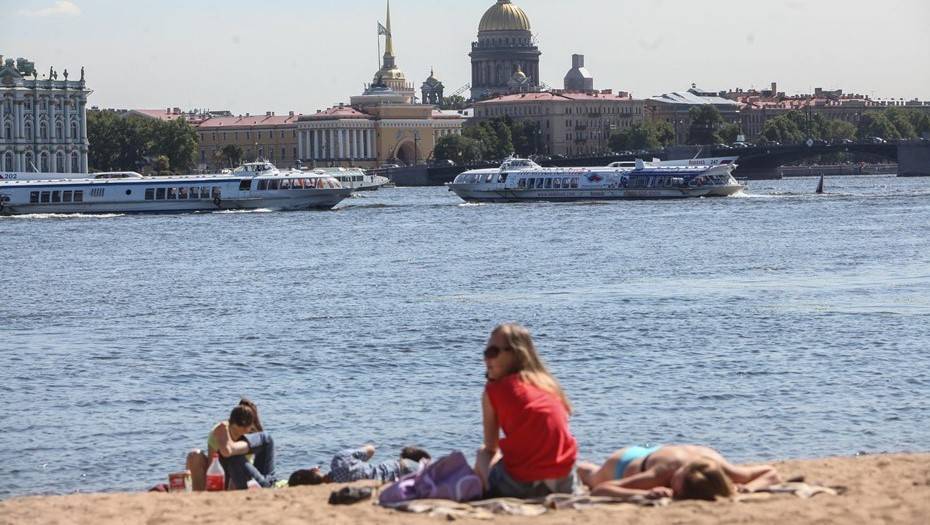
[280,55]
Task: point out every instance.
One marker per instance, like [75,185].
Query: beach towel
[487,509]
[449,478]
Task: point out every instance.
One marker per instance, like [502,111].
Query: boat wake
[64,216]
[231,212]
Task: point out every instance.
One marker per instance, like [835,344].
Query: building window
[75,163]
[43,131]
[43,161]
[74,130]
[59,131]
[60,162]
[8,162]
[7,131]
[28,129]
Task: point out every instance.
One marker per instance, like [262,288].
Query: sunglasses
[493,351]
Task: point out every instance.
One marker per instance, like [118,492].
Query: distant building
[578,78]
[382,125]
[675,108]
[269,136]
[193,117]
[758,106]
[570,123]
[43,121]
[432,90]
[390,75]
[505,58]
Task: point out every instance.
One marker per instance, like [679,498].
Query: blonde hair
[528,364]
[704,479]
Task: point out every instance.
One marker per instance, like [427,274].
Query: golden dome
[504,16]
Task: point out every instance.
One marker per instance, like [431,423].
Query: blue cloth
[630,455]
[352,465]
[239,470]
[502,485]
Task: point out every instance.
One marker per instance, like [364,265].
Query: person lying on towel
[679,471]
[353,465]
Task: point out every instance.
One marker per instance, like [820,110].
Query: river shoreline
[883,488]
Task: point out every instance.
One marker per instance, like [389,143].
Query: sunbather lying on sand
[352,465]
[680,471]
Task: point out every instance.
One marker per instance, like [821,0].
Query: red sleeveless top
[538,444]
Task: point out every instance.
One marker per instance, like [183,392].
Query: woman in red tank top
[536,455]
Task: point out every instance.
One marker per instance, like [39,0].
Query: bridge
[755,162]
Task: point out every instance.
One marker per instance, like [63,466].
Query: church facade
[43,121]
[505,58]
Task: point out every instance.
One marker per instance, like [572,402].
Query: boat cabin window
[33,197]
[160,194]
[56,196]
[548,183]
[78,195]
[557,183]
[521,183]
[502,178]
[262,184]
[149,194]
[488,177]
[574,183]
[46,196]
[182,193]
[245,184]
[66,196]
[172,194]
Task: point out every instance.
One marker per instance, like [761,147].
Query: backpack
[449,477]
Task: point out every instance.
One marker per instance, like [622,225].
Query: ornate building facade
[382,125]
[43,121]
[569,123]
[505,58]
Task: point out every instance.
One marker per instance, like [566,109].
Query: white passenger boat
[356,179]
[257,185]
[35,175]
[524,180]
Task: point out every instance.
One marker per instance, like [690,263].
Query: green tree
[839,129]
[232,153]
[526,136]
[876,124]
[783,128]
[729,132]
[119,142]
[459,149]
[454,102]
[176,140]
[903,121]
[705,124]
[649,135]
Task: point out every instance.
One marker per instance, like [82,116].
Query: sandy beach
[893,488]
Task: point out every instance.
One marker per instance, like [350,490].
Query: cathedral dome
[504,16]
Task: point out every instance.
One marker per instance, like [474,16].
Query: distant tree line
[120,142]
[889,123]
[490,140]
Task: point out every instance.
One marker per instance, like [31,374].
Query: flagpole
[379,51]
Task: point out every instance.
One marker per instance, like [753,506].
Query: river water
[771,325]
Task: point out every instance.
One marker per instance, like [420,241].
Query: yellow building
[267,136]
[384,125]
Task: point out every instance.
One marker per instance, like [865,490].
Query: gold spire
[389,38]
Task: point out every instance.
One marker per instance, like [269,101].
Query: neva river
[774,325]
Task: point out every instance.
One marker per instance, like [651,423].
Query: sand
[893,488]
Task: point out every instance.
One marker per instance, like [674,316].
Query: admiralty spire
[505,50]
[390,75]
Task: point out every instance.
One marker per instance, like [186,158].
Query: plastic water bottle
[216,476]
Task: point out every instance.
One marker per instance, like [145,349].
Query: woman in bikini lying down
[679,471]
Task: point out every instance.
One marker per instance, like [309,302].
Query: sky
[289,55]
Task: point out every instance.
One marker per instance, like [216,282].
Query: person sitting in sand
[679,471]
[353,465]
[246,451]
[536,456]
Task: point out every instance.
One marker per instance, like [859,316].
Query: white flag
[383,30]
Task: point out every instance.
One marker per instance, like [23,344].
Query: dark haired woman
[246,451]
